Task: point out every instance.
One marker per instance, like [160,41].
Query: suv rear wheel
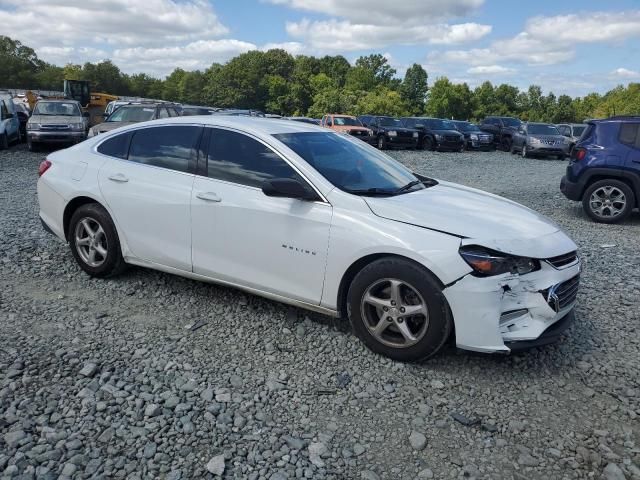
[608,201]
[397,309]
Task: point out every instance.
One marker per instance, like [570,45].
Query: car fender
[626,175]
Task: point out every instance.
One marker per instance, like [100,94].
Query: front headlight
[486,262]
[438,136]
[76,126]
[473,136]
[415,134]
[392,133]
[533,140]
[370,133]
[33,126]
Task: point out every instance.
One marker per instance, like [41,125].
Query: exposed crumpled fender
[544,246]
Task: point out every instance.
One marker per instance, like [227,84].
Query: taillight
[579,154]
[44,166]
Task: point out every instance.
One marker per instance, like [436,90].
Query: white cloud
[490,70]
[625,73]
[193,56]
[384,12]
[294,48]
[96,23]
[337,35]
[586,27]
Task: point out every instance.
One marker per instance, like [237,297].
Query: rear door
[147,186]
[242,236]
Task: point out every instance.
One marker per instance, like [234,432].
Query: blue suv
[604,169]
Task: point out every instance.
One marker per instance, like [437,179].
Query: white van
[9,123]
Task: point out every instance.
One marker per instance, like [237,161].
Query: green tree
[381,101]
[378,66]
[414,88]
[449,100]
[335,67]
[19,64]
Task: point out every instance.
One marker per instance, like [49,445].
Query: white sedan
[319,220]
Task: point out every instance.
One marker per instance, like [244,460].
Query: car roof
[255,125]
[59,100]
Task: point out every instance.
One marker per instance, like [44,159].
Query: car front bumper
[38,136]
[481,144]
[401,142]
[537,149]
[506,312]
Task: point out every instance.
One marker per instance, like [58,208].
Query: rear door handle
[208,197]
[118,177]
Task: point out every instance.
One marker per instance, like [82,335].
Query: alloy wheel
[395,313]
[91,242]
[608,202]
[524,151]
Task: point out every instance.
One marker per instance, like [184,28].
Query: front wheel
[4,142]
[525,151]
[608,201]
[397,309]
[94,241]
[427,143]
[32,146]
[382,143]
[506,144]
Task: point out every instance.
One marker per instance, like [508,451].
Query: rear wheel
[94,241]
[608,201]
[397,309]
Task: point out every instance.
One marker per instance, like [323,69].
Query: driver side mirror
[287,188]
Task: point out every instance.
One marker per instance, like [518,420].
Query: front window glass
[389,122]
[237,158]
[132,114]
[539,129]
[349,164]
[347,122]
[67,109]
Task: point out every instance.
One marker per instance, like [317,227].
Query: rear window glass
[630,134]
[117,146]
[168,147]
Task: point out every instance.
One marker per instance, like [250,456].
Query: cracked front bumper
[505,312]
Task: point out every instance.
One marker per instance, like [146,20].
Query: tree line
[277,82]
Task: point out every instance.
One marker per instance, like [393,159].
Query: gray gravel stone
[417,440]
[216,465]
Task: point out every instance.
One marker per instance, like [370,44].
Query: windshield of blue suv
[390,122]
[437,124]
[541,129]
[132,114]
[350,164]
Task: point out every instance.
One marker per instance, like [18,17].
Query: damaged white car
[319,220]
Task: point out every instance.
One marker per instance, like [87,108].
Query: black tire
[513,148]
[591,209]
[32,146]
[418,281]
[428,144]
[524,152]
[382,142]
[112,263]
[506,143]
[4,142]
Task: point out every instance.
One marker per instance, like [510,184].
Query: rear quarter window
[117,146]
[630,134]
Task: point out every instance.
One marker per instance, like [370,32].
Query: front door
[149,193]
[276,245]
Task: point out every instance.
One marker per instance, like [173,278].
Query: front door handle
[208,197]
[118,177]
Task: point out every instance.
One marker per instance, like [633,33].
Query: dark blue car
[604,169]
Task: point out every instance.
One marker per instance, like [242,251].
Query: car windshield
[390,122]
[578,131]
[188,111]
[512,122]
[540,129]
[132,114]
[346,121]
[437,124]
[67,109]
[467,127]
[349,164]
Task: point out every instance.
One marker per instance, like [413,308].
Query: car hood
[399,129]
[347,128]
[108,126]
[477,217]
[447,132]
[55,119]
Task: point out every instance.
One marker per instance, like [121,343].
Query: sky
[570,46]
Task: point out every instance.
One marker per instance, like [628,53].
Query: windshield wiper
[372,191]
[427,182]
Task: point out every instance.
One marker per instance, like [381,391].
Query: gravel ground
[103,379]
